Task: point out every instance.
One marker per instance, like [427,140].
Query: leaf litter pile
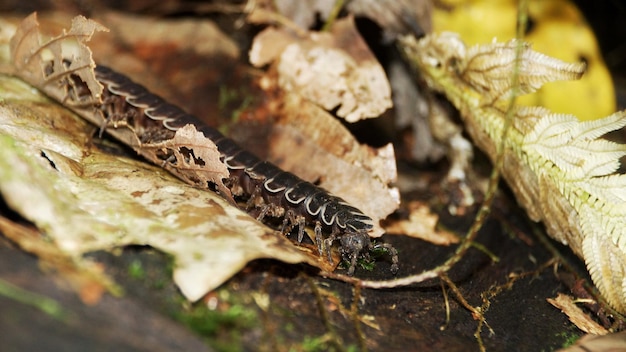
[59,175]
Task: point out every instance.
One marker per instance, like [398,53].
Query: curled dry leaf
[194,156]
[306,139]
[334,70]
[87,200]
[42,64]
[560,169]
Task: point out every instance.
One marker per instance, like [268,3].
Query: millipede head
[353,244]
[357,243]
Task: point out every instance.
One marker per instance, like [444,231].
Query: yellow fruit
[558,29]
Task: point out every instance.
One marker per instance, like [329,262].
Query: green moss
[314,344]
[319,344]
[569,337]
[136,270]
[234,101]
[222,328]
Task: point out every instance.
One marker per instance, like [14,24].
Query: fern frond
[560,169]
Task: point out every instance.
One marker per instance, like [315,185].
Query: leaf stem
[332,16]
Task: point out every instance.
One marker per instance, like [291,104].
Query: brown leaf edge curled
[30,56]
[64,65]
[197,159]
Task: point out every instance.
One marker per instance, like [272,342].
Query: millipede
[268,189]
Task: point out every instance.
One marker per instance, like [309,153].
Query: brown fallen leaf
[422,224]
[312,144]
[576,315]
[305,138]
[334,69]
[63,68]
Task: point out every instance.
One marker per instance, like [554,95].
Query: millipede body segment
[269,190]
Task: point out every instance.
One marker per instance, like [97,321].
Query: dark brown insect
[270,190]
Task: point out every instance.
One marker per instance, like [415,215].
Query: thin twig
[354,313]
[334,338]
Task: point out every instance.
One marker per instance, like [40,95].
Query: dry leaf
[195,158]
[334,70]
[87,200]
[61,66]
[576,315]
[308,141]
[422,224]
[357,173]
[39,63]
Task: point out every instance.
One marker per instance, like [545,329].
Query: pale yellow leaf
[87,200]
